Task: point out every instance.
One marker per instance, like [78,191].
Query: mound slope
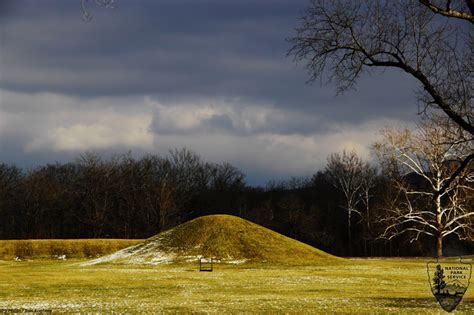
[224,238]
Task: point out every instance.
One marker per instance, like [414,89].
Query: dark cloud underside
[187,53]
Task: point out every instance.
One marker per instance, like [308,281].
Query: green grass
[225,235]
[280,275]
[396,286]
[222,237]
[44,249]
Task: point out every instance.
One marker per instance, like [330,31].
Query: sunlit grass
[223,237]
[55,248]
[351,286]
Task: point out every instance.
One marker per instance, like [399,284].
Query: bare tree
[369,176]
[11,197]
[419,163]
[347,173]
[95,185]
[87,16]
[225,177]
[348,37]
[456,9]
[189,173]
[167,203]
[294,207]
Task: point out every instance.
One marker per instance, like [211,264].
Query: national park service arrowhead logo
[449,280]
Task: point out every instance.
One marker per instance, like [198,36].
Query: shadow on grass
[409,302]
[466,304]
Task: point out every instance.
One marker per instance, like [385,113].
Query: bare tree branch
[87,16]
[448,11]
[464,164]
[342,39]
[349,174]
[420,163]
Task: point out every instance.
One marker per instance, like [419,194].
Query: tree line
[349,208]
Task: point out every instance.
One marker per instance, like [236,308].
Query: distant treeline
[125,197]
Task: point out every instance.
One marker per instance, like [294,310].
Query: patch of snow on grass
[191,258]
[123,253]
[153,252]
[236,261]
[145,253]
[162,259]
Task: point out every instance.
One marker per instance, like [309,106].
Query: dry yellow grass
[375,286]
[225,238]
[280,275]
[54,248]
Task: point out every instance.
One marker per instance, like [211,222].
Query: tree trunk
[349,231]
[439,245]
[439,223]
[367,208]
[368,234]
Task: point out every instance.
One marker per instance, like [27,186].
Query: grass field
[397,286]
[74,248]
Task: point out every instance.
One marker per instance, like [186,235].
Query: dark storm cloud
[7,7]
[147,47]
[210,75]
[172,49]
[219,122]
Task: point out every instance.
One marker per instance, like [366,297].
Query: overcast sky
[151,75]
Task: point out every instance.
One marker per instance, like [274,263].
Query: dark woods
[124,197]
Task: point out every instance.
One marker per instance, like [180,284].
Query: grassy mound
[222,237]
[54,248]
